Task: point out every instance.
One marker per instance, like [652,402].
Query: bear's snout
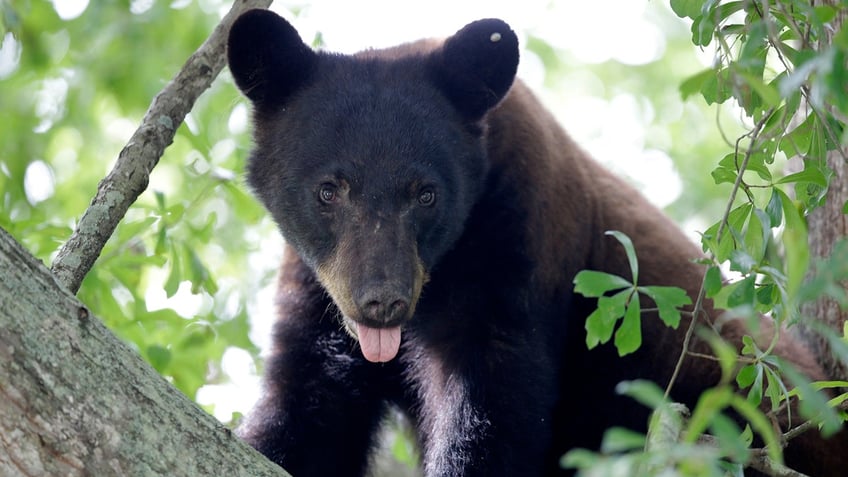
[383,306]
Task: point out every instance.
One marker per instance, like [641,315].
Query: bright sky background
[592,31]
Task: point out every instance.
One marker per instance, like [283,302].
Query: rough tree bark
[76,401]
[827,225]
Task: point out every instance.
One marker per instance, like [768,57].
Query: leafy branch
[625,303]
[775,61]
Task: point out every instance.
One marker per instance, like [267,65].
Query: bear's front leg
[484,414]
[318,417]
[322,402]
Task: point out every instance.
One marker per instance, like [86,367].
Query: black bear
[436,215]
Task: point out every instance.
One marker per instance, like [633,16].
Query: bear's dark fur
[436,216]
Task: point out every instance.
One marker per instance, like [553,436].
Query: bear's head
[370,163]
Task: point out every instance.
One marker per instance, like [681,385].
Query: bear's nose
[384,308]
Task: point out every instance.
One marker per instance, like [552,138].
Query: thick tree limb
[75,400]
[130,176]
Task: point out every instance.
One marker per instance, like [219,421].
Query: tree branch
[760,461]
[131,174]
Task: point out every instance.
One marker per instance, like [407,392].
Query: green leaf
[617,439]
[809,174]
[703,28]
[645,392]
[756,163]
[723,175]
[841,39]
[160,199]
[712,281]
[824,13]
[729,438]
[591,283]
[747,435]
[762,425]
[807,63]
[746,376]
[749,347]
[752,55]
[711,402]
[724,10]
[629,250]
[174,215]
[246,205]
[797,142]
[755,395]
[727,242]
[161,240]
[172,284]
[742,293]
[687,8]
[741,262]
[601,323]
[776,123]
[776,390]
[628,338]
[768,295]
[669,300]
[134,229]
[774,209]
[795,242]
[757,234]
[718,88]
[199,274]
[695,83]
[158,357]
[810,195]
[726,354]
[579,459]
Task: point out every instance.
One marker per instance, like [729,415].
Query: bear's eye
[327,193]
[426,197]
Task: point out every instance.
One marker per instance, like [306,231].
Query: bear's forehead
[360,138]
[369,121]
[375,77]
[367,113]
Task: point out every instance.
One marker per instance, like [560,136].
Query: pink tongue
[378,344]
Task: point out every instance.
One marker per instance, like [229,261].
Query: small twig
[760,461]
[808,425]
[739,359]
[131,174]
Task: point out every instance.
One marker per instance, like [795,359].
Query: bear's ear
[476,66]
[267,58]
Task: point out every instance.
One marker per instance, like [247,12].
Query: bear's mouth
[373,314]
[378,344]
